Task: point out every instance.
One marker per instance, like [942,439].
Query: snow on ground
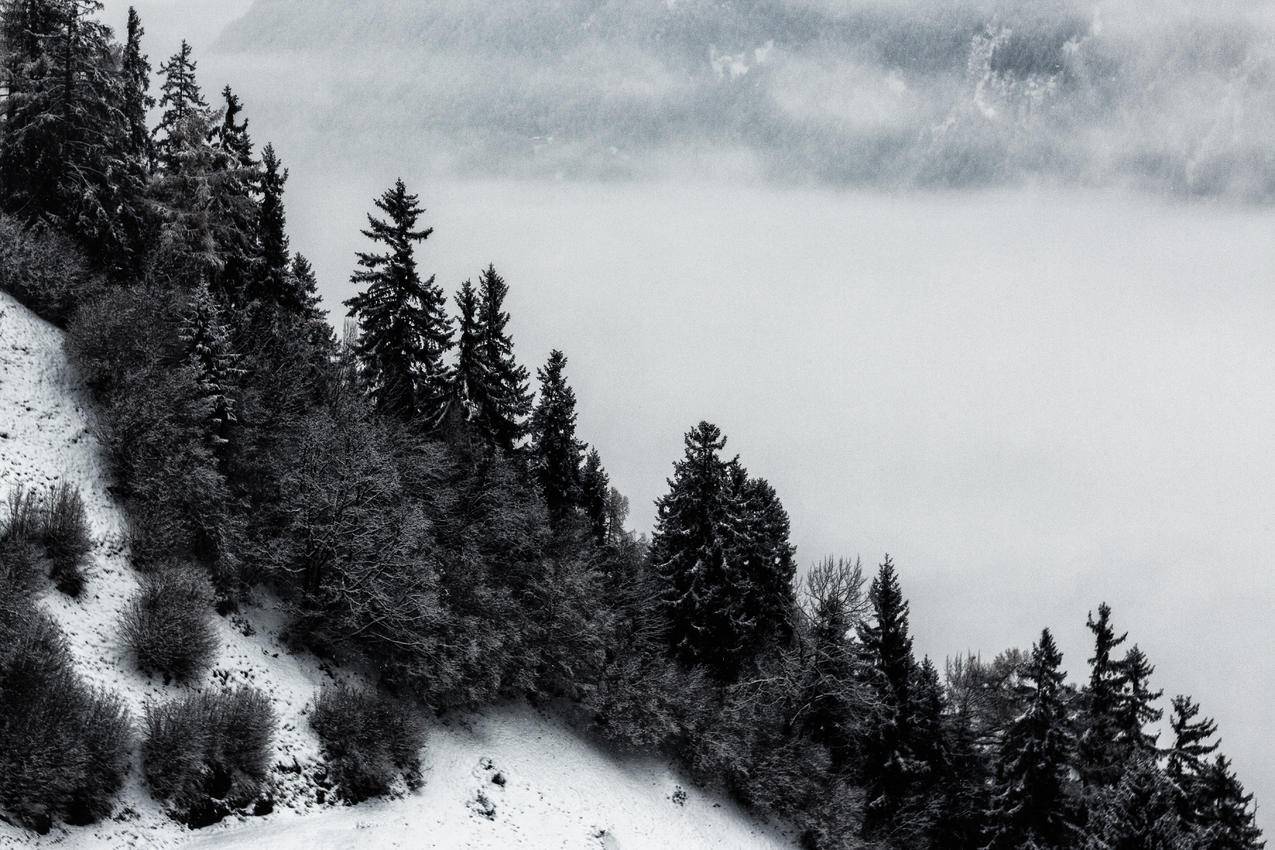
[558,790]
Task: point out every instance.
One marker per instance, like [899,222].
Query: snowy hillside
[508,777]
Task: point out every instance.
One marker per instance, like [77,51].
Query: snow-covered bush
[207,755]
[50,532]
[63,746]
[368,739]
[168,626]
[43,269]
[64,530]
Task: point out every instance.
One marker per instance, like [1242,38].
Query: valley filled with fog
[987,291]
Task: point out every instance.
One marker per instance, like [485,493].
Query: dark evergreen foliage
[1031,802]
[556,453]
[180,99]
[1099,755]
[1226,813]
[404,332]
[595,493]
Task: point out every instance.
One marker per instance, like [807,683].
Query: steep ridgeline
[507,777]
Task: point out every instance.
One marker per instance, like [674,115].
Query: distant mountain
[893,92]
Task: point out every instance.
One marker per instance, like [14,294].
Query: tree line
[429,511]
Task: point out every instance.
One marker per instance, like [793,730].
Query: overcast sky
[1042,385]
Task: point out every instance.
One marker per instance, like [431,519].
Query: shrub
[368,740]
[207,755]
[64,530]
[56,524]
[43,269]
[168,627]
[63,747]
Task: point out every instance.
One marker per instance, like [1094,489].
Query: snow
[559,790]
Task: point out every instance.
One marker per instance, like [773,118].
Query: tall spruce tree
[180,99]
[273,284]
[235,205]
[556,453]
[765,554]
[701,592]
[137,103]
[206,342]
[64,149]
[888,760]
[595,492]
[1193,743]
[1227,817]
[1137,705]
[404,329]
[1030,802]
[1099,755]
[502,396]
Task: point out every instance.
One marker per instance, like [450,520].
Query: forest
[427,509]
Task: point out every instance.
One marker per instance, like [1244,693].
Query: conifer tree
[1030,806]
[502,398]
[404,329]
[1136,710]
[303,292]
[136,69]
[235,206]
[595,487]
[203,335]
[765,554]
[64,152]
[1138,813]
[273,284]
[700,590]
[888,766]
[556,453]
[1099,758]
[232,134]
[469,377]
[1227,819]
[180,99]
[1193,743]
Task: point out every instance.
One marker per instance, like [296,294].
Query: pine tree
[303,293]
[232,134]
[763,552]
[180,100]
[700,592]
[502,398]
[888,767]
[1136,710]
[595,486]
[138,101]
[556,453]
[204,337]
[1192,744]
[234,205]
[404,328]
[64,151]
[1138,813]
[1030,806]
[273,285]
[1227,818]
[1099,758]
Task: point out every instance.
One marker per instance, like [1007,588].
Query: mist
[984,285]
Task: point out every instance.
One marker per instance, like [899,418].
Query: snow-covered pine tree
[1030,800]
[763,550]
[234,204]
[64,151]
[888,761]
[404,329]
[204,337]
[1227,817]
[272,283]
[1138,813]
[503,398]
[595,486]
[1193,743]
[1137,709]
[702,594]
[137,102]
[556,453]
[468,378]
[180,99]
[1099,756]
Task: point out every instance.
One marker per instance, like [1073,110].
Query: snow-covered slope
[507,777]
